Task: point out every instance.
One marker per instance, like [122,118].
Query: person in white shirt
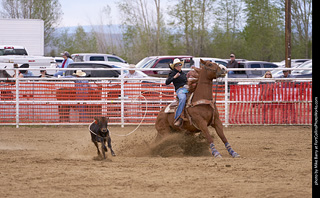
[132,90]
[132,74]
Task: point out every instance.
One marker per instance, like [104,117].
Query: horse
[200,110]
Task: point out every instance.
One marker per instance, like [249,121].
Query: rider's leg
[181,93]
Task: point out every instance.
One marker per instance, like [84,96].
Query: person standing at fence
[132,74]
[179,79]
[132,90]
[232,63]
[287,107]
[268,74]
[24,73]
[286,74]
[82,93]
[266,96]
[67,60]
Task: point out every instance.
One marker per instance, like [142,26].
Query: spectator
[44,74]
[67,60]
[286,74]
[82,93]
[232,63]
[268,74]
[132,73]
[23,73]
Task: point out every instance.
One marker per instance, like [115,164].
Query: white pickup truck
[10,54]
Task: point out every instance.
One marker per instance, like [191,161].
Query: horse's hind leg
[162,126]
[219,129]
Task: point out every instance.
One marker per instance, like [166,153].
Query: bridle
[216,89]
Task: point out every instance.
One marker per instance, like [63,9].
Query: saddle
[171,108]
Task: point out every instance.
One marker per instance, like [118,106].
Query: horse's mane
[193,78]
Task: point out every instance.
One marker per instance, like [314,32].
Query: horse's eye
[210,64]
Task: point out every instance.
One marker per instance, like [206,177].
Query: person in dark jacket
[179,79]
[232,63]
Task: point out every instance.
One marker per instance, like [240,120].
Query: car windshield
[309,65]
[143,62]
[13,52]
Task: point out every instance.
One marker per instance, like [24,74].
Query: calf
[100,133]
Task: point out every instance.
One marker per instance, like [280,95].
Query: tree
[144,29]
[301,13]
[226,34]
[78,42]
[264,32]
[49,11]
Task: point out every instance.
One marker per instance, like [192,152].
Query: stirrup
[178,122]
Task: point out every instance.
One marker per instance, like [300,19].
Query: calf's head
[102,122]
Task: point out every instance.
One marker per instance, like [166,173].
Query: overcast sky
[86,12]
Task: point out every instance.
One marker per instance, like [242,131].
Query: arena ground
[61,162]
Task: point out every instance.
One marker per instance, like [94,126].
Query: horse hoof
[235,155]
[217,155]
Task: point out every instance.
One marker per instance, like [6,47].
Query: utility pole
[288,33]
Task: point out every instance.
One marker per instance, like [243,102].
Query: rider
[179,79]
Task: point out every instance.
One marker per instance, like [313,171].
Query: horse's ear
[202,61]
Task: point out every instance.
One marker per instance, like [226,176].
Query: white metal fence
[75,101]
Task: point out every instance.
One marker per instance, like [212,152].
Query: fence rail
[61,101]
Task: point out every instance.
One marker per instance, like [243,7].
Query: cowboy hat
[132,66]
[79,73]
[175,61]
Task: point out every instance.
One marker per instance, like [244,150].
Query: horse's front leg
[204,130]
[219,129]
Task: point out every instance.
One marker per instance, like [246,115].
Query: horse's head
[213,70]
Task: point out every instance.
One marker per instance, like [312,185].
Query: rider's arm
[170,77]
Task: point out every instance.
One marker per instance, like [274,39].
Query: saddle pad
[171,108]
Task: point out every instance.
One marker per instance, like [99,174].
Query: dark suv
[252,64]
[94,73]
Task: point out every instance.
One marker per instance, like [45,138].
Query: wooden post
[288,33]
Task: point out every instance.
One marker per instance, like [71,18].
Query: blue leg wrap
[231,151]
[214,151]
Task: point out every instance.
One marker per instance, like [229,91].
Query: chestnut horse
[201,112]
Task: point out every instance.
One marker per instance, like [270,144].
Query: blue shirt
[28,73]
[68,61]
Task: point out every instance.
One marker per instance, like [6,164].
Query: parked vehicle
[80,57]
[216,60]
[296,73]
[158,62]
[93,73]
[294,62]
[303,73]
[10,54]
[252,74]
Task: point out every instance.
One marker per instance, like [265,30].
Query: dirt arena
[61,162]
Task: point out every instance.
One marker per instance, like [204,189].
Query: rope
[145,113]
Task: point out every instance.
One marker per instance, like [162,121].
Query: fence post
[122,98]
[226,104]
[17,97]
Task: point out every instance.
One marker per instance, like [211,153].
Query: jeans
[181,93]
[230,72]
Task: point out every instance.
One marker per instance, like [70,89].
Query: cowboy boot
[178,122]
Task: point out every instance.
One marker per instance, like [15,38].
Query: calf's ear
[96,120]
